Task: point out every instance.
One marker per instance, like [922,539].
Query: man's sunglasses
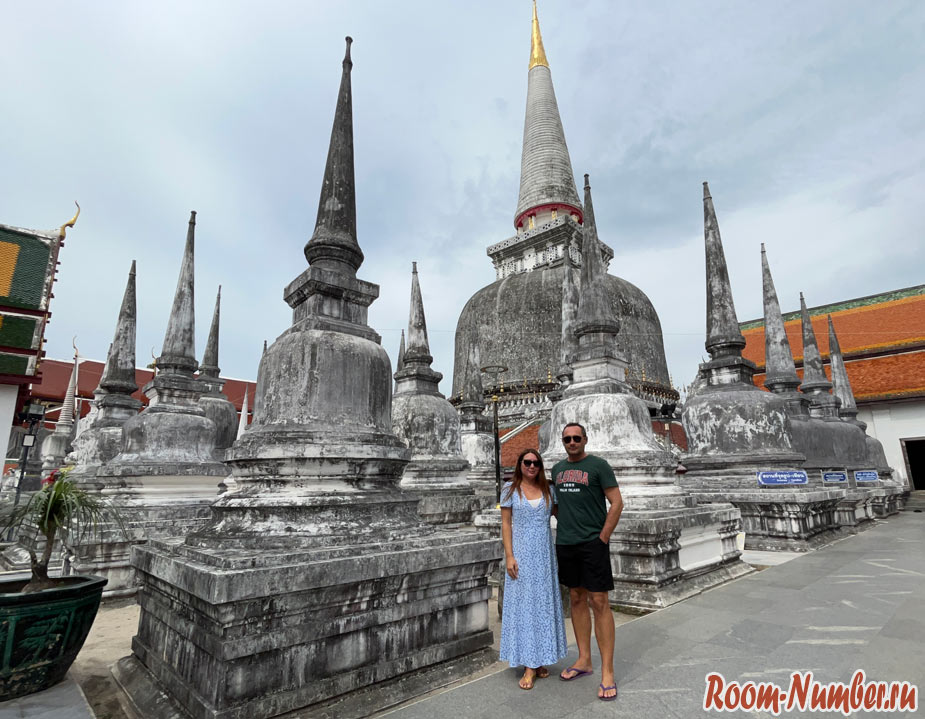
[576,438]
[531,463]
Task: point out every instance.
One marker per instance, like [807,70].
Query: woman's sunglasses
[531,463]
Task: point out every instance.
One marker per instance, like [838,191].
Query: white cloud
[804,117]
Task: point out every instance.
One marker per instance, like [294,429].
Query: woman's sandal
[542,672]
[531,680]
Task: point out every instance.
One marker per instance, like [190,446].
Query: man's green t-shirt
[582,508]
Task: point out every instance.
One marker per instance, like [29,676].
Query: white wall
[892,421]
[8,393]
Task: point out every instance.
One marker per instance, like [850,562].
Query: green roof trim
[14,364]
[20,332]
[844,305]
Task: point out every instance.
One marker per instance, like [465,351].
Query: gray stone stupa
[476,435]
[740,444]
[172,436]
[829,447]
[213,402]
[517,320]
[887,495]
[100,438]
[429,425]
[56,445]
[316,588]
[665,548]
[166,474]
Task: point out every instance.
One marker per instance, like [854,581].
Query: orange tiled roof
[56,375]
[882,338]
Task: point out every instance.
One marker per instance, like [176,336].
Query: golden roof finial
[69,223]
[537,53]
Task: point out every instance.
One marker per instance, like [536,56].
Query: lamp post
[496,371]
[33,415]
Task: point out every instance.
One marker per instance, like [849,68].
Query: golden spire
[69,223]
[537,53]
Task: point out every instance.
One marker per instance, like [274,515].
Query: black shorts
[585,566]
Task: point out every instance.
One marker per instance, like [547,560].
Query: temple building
[517,319]
[882,339]
[28,265]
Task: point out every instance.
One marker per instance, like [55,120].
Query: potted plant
[45,620]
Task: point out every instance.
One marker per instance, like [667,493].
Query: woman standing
[532,628]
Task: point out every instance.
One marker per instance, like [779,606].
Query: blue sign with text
[866,475]
[769,479]
[836,477]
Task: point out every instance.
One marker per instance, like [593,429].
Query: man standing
[583,550]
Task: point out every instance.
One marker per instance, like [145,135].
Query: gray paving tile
[855,604]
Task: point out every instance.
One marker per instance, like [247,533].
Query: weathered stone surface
[315,577]
[213,402]
[734,430]
[517,320]
[429,425]
[157,507]
[172,435]
[99,436]
[517,323]
[651,566]
[305,626]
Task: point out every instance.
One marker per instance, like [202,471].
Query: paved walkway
[62,701]
[856,604]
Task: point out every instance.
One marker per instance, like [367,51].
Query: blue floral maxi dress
[532,628]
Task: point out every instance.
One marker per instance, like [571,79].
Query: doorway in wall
[914,452]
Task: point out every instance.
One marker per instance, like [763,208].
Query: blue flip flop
[608,699]
[580,673]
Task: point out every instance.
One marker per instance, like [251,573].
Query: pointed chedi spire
[179,350]
[546,177]
[401,352]
[723,336]
[209,366]
[66,417]
[814,379]
[333,244]
[418,349]
[595,313]
[781,373]
[400,362]
[119,371]
[242,421]
[569,340]
[840,382]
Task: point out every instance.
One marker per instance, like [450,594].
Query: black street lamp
[33,415]
[496,371]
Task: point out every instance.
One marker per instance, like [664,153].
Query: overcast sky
[805,117]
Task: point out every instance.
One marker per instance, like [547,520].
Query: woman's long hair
[519,477]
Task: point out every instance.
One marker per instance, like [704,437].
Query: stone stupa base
[662,556]
[855,511]
[231,634]
[888,499]
[794,518]
[151,508]
[446,497]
